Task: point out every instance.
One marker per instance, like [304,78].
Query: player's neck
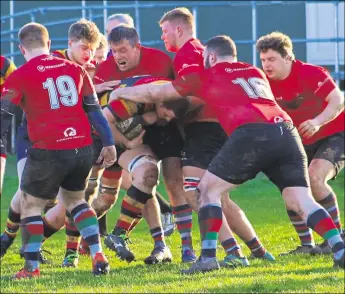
[36,52]
[183,40]
[286,72]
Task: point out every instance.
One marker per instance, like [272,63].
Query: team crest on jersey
[70,132]
[41,68]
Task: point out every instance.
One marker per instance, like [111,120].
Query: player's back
[241,93]
[53,102]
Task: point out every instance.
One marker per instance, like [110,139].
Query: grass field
[264,207]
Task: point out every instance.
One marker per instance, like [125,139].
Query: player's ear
[179,31]
[69,43]
[49,44]
[22,49]
[138,46]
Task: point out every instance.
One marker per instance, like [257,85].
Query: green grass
[264,207]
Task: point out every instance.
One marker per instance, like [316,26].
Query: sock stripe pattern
[183,219]
[256,247]
[48,230]
[331,205]
[321,222]
[86,221]
[190,183]
[210,221]
[303,231]
[72,235]
[12,223]
[32,235]
[157,234]
[131,208]
[231,247]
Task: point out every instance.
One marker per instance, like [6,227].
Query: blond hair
[180,14]
[86,30]
[33,35]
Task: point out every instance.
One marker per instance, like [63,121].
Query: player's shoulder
[309,69]
[191,49]
[149,52]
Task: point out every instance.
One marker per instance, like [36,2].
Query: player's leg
[142,165]
[73,237]
[291,177]
[242,227]
[40,182]
[73,194]
[326,164]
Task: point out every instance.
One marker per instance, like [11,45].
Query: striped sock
[210,221]
[72,235]
[48,229]
[183,220]
[303,231]
[12,223]
[32,235]
[331,205]
[256,247]
[158,236]
[190,183]
[86,221]
[136,221]
[321,222]
[131,208]
[231,247]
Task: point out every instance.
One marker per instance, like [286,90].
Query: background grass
[264,207]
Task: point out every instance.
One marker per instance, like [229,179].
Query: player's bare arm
[334,107]
[146,93]
[106,86]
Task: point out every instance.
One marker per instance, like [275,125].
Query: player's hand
[107,156]
[308,128]
[150,117]
[136,142]
[106,86]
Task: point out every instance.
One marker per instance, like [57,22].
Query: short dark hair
[124,32]
[223,46]
[276,41]
[33,35]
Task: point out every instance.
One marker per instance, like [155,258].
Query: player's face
[274,65]
[126,56]
[169,36]
[101,55]
[110,25]
[164,113]
[82,52]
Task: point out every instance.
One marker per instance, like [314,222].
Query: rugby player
[60,94]
[7,67]
[316,105]
[245,106]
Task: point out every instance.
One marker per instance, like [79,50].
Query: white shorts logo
[70,132]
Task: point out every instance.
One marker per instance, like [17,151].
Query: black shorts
[3,146]
[164,141]
[202,143]
[274,149]
[330,148]
[97,147]
[47,170]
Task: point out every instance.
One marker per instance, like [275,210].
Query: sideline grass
[264,207]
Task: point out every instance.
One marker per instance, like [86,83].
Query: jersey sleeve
[319,82]
[189,85]
[88,87]
[100,74]
[12,90]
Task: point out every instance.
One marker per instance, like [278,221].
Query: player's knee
[28,202]
[144,170]
[150,176]
[108,195]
